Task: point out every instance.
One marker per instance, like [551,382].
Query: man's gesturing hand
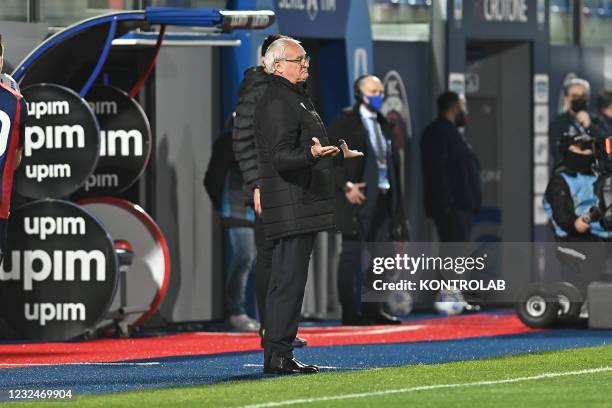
[257,201]
[320,151]
[354,195]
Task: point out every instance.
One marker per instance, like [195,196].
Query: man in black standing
[369,199]
[451,171]
[297,194]
[251,90]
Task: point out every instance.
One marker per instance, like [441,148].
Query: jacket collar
[379,116]
[299,88]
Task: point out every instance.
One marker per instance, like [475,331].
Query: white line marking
[86,363]
[328,367]
[367,332]
[428,387]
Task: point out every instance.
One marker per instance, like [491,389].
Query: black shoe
[357,321]
[287,364]
[383,318]
[299,342]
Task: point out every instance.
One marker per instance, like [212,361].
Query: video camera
[602,153]
[601,148]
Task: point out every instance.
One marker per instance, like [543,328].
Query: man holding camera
[570,200]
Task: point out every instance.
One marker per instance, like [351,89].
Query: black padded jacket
[297,190]
[251,90]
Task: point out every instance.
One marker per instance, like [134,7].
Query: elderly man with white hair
[297,194]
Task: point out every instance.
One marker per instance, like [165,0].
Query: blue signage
[312,18]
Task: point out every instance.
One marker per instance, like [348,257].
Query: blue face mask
[376,102]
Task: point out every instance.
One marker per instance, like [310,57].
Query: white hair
[276,51]
[576,81]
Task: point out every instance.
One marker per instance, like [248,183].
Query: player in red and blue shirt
[13,112]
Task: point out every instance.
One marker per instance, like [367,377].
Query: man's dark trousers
[290,260]
[373,228]
[263,268]
[454,225]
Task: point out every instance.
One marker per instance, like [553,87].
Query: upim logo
[46,312]
[38,109]
[61,263]
[53,137]
[110,139]
[45,226]
[101,180]
[104,107]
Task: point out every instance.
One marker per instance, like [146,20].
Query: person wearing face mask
[451,171]
[576,118]
[369,201]
[570,193]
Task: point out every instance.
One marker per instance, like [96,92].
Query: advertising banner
[62,140]
[60,271]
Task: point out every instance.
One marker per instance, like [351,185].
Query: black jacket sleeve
[281,128]
[243,133]
[220,162]
[560,199]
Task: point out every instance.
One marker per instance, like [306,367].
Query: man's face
[575,92]
[294,66]
[371,86]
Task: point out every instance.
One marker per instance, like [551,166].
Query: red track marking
[202,343]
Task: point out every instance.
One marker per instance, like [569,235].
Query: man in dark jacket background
[369,198]
[251,90]
[451,171]
[297,194]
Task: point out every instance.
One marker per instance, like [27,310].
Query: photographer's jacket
[297,190]
[570,194]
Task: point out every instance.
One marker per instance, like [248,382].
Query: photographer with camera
[576,118]
[571,201]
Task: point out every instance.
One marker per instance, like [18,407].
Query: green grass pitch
[570,378]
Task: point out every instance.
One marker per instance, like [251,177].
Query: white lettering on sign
[101,180]
[46,226]
[53,137]
[44,171]
[292,4]
[104,107]
[5,130]
[38,109]
[311,7]
[46,312]
[110,139]
[59,265]
[505,10]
